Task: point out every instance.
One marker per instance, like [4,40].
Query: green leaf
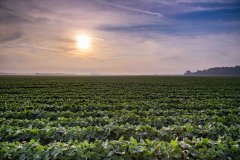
[148,141]
[121,138]
[205,140]
[174,143]
[132,140]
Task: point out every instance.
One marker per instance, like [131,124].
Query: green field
[119,117]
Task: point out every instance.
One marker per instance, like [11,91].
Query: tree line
[216,71]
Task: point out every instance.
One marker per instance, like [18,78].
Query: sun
[83,42]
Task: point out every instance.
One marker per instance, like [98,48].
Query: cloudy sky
[127,36]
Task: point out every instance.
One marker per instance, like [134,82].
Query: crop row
[37,114]
[155,121]
[112,132]
[197,148]
[76,105]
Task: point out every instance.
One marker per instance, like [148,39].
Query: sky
[127,36]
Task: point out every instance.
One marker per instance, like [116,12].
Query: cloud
[148,12]
[9,37]
[8,16]
[177,29]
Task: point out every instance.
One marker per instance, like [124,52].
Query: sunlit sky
[127,36]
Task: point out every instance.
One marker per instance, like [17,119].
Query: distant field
[119,117]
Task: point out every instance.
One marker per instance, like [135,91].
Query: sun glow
[83,42]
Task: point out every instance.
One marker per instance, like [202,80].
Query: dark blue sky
[191,18]
[128,36]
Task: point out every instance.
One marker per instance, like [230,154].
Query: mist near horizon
[118,37]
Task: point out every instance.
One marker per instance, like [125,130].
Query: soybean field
[119,117]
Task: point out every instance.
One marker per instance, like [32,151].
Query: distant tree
[188,72]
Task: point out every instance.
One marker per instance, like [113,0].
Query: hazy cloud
[128,37]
